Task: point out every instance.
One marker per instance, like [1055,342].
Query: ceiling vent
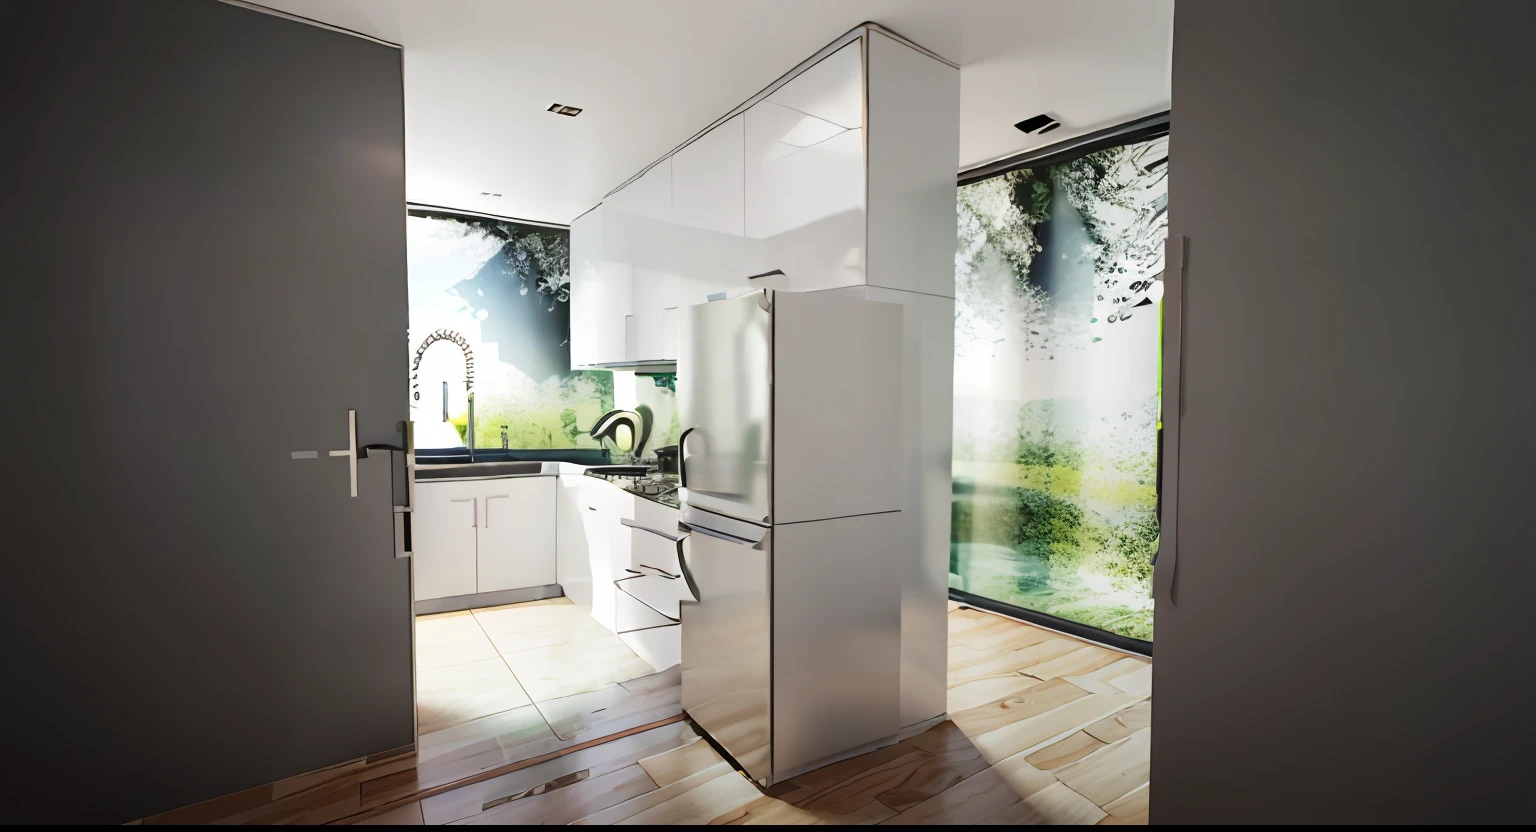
[1038,125]
[488,193]
[563,110]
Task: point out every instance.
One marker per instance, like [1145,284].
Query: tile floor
[1044,729]
[507,684]
[477,663]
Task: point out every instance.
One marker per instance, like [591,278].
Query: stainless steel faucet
[469,432]
[504,437]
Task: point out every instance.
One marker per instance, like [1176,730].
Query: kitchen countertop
[660,489]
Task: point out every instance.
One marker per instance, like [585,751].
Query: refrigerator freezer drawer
[727,648]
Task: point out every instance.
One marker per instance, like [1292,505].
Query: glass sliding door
[1057,345]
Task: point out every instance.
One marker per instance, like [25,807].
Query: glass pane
[1058,318]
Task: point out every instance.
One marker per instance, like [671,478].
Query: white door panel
[573,571]
[517,534]
[443,539]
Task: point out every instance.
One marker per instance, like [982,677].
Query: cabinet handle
[474,511]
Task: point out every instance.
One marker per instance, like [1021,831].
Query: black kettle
[666,459]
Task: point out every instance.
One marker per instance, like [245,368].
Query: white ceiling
[650,73]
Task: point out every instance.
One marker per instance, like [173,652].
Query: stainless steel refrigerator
[790,405]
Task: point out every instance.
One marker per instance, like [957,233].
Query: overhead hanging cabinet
[777,195]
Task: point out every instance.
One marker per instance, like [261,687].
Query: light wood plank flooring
[1044,729]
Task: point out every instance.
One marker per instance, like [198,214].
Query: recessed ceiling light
[562,109]
[1038,124]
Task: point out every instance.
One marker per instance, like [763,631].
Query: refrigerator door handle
[682,458]
[729,538]
[682,563]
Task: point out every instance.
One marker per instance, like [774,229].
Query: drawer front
[653,515]
[648,550]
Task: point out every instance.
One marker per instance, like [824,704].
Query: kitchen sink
[477,469]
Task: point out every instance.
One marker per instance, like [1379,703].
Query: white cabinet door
[644,241]
[517,533]
[805,176]
[713,253]
[573,569]
[600,287]
[586,279]
[707,190]
[443,539]
[598,516]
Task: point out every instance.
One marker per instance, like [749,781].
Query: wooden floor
[1043,729]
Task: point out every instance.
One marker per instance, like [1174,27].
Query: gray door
[1348,634]
[205,250]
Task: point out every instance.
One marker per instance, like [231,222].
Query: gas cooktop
[661,488]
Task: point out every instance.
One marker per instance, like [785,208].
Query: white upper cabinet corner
[805,176]
[707,187]
[649,196]
[586,262]
[832,89]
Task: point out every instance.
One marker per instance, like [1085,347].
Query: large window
[1058,313]
[490,314]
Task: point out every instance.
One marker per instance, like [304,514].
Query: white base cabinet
[609,566]
[443,539]
[574,566]
[516,536]
[476,536]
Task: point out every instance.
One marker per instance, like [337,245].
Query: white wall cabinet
[780,186]
[712,252]
[484,536]
[586,304]
[805,175]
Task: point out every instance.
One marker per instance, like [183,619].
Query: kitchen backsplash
[658,393]
[490,301]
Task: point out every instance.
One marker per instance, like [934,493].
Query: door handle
[404,546]
[682,563]
[682,458]
[351,451]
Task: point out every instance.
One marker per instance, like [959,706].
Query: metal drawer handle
[625,521]
[740,541]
